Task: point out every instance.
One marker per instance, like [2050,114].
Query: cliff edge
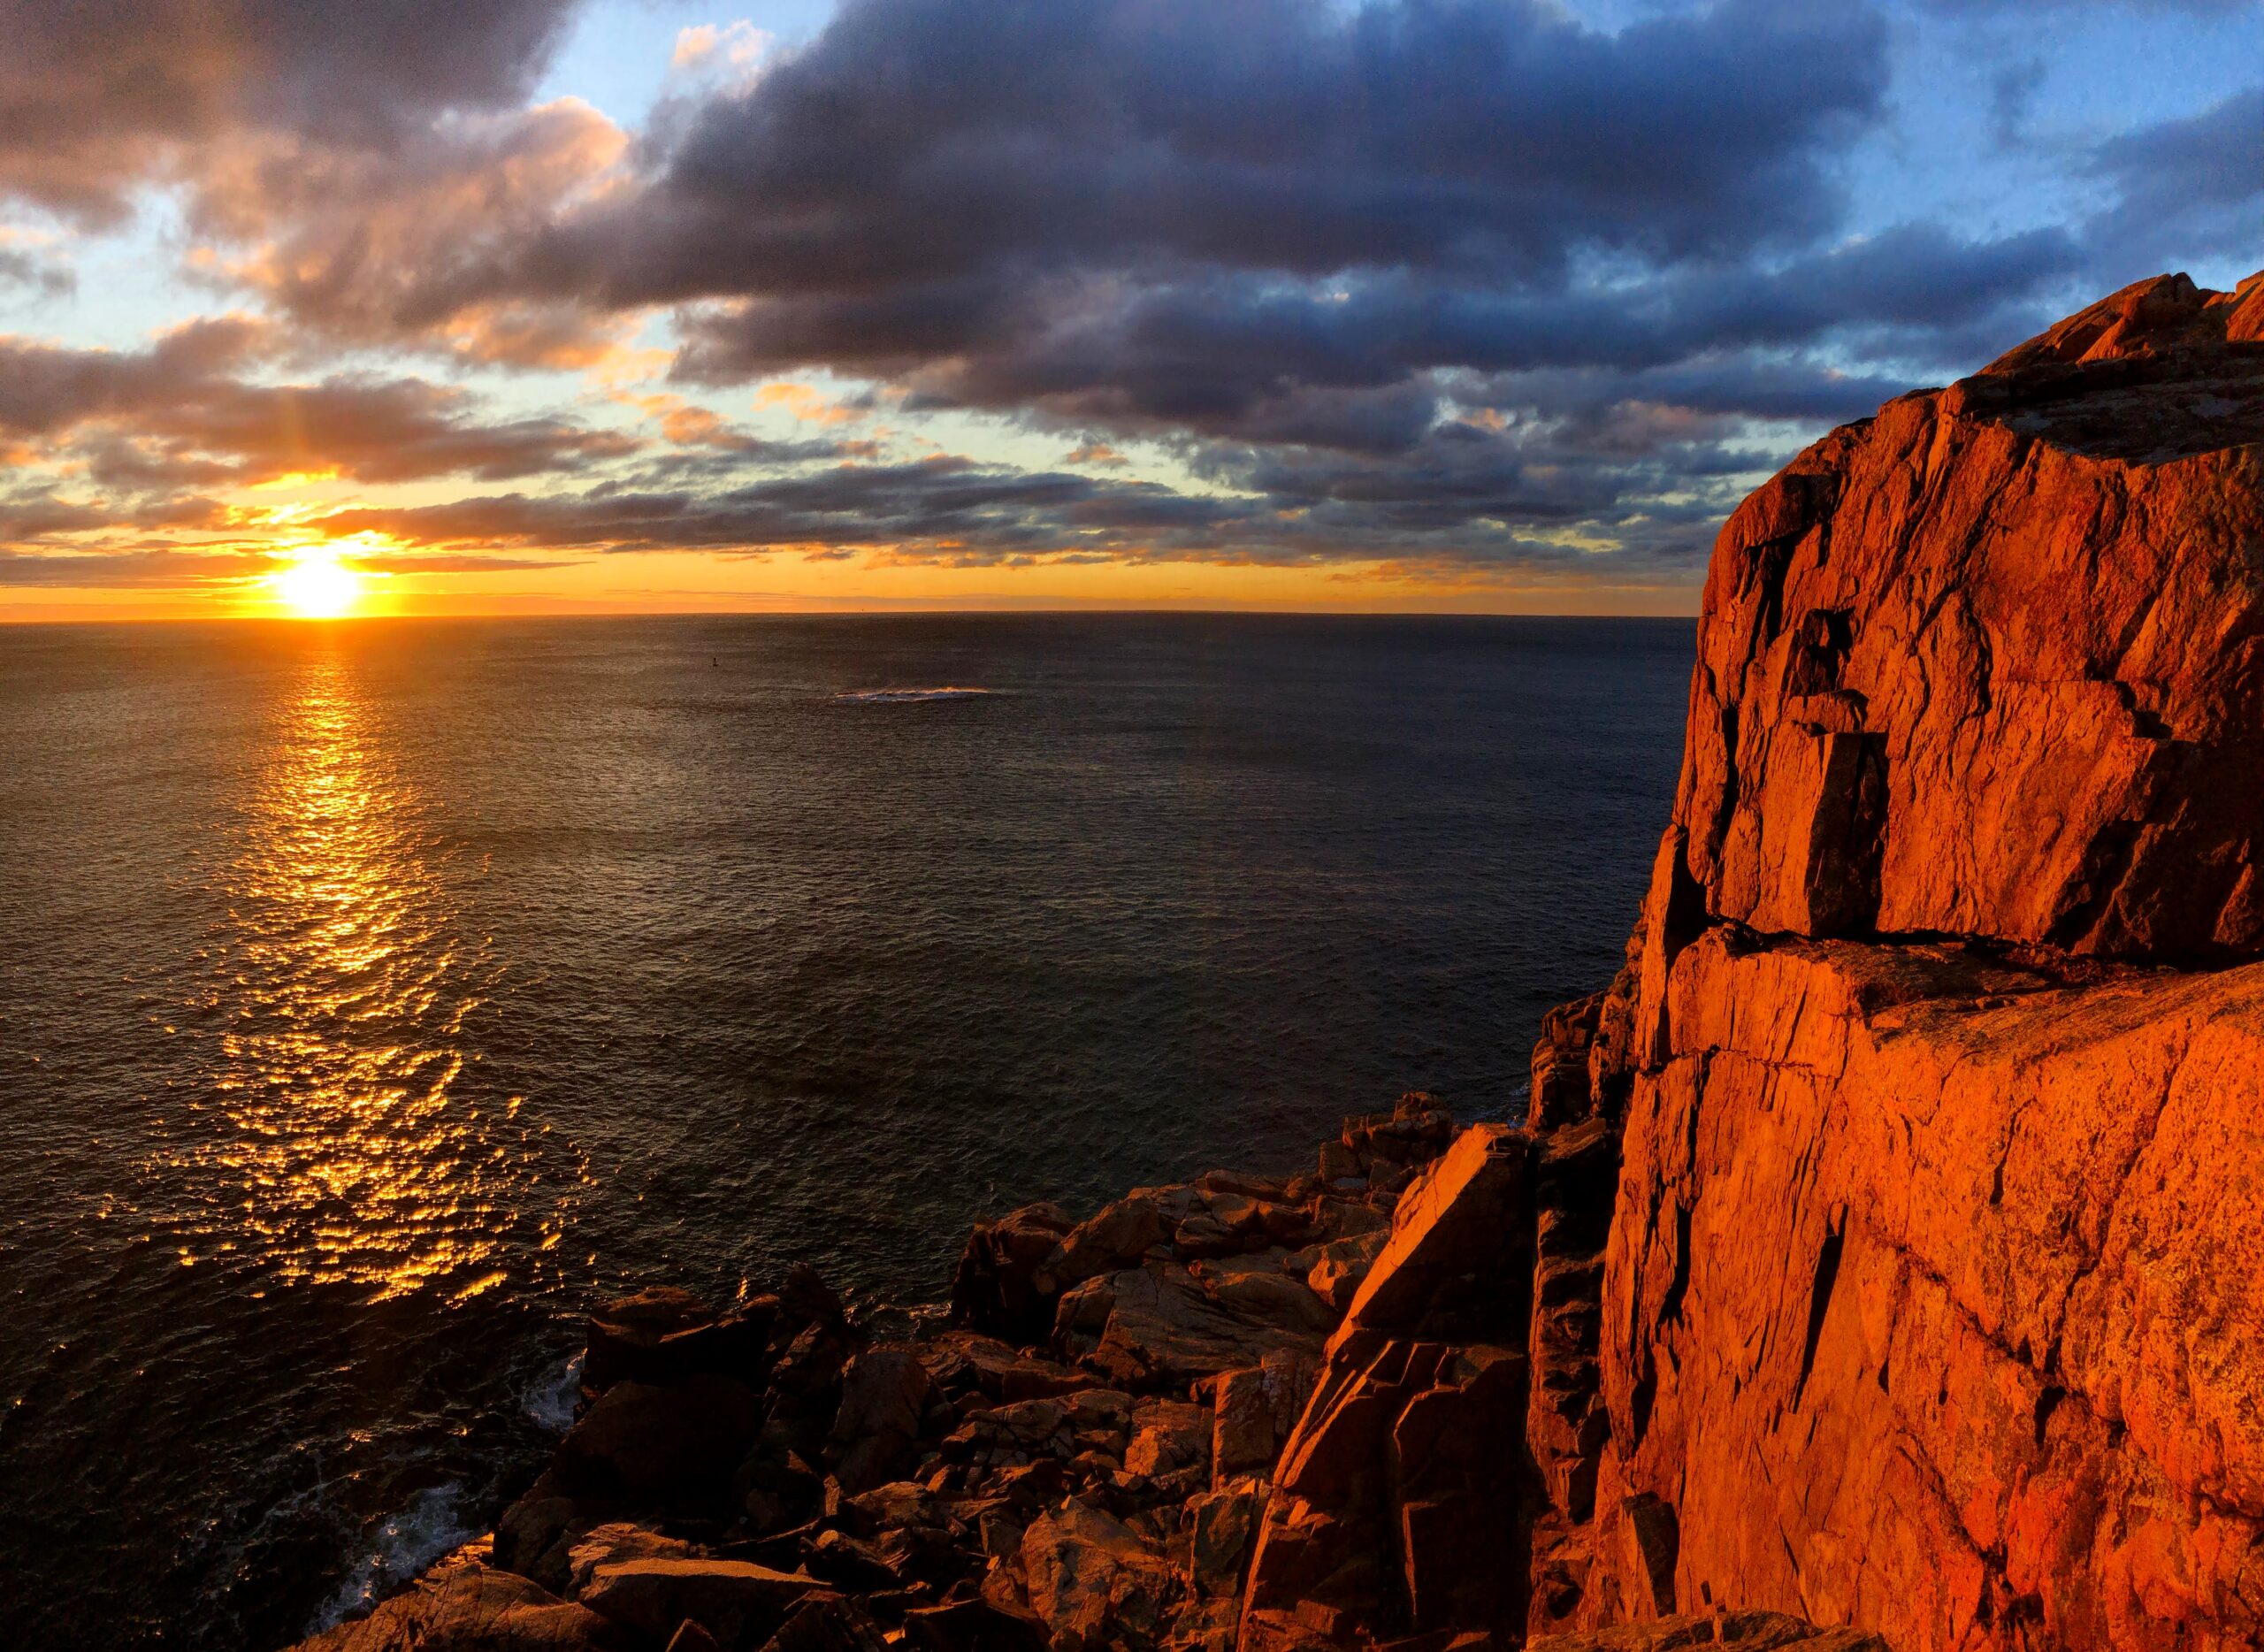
[1934,1294]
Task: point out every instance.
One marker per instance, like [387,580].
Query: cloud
[2195,182]
[98,96]
[179,413]
[1435,283]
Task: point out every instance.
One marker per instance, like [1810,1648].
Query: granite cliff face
[1933,1298]
[1882,1254]
[1991,663]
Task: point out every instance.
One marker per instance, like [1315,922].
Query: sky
[533,306]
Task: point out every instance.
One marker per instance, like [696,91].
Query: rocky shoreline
[1884,1248]
[1112,1441]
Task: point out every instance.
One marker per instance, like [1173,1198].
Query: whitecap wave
[906,696]
[549,1401]
[398,1550]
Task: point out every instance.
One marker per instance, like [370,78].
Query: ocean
[375,997]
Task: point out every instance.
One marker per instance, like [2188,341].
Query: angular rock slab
[1991,663]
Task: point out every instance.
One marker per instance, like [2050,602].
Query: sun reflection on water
[344,983]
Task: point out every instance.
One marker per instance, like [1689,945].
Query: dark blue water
[375,996]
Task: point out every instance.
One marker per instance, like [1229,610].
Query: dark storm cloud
[2197,182]
[97,95]
[1465,513]
[929,181]
[180,414]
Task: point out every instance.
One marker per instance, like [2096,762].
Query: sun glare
[318,586]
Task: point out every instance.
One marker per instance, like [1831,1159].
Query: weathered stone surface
[1988,662]
[1756,1631]
[1164,1327]
[1933,1297]
[995,1288]
[1169,1437]
[1455,1238]
[737,1602]
[472,1608]
[966,1362]
[644,1439]
[1093,1582]
[1220,1526]
[885,1395]
[614,1542]
[662,1334]
[1397,1507]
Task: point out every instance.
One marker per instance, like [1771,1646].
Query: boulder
[969,1364]
[1164,1329]
[741,1604]
[1120,1236]
[1093,1583]
[886,1395]
[1220,1526]
[994,1287]
[1458,1257]
[534,1535]
[1338,1269]
[662,1334]
[644,1440]
[474,1609]
[1169,1437]
[615,1541]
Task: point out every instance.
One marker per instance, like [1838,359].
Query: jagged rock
[1754,1632]
[971,1625]
[471,1608]
[1119,1237]
[737,1602]
[1169,1437]
[1985,663]
[615,1541]
[994,1287]
[1339,1268]
[965,1363]
[885,1396]
[1092,1582]
[690,1636]
[805,1298]
[1254,1409]
[662,1334]
[1220,1526]
[1455,1239]
[533,1537]
[826,1622]
[645,1440]
[1164,1328]
[1397,1506]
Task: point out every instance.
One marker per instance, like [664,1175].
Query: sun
[318,585]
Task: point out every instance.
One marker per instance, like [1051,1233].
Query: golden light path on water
[345,985]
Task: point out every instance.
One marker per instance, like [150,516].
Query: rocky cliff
[1933,1295]
[1882,1254]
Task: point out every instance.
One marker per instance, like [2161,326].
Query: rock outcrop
[1991,663]
[1880,1260]
[1933,1297]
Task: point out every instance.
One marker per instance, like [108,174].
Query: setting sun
[318,586]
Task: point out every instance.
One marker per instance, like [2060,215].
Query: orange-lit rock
[1936,1299]
[1991,663]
